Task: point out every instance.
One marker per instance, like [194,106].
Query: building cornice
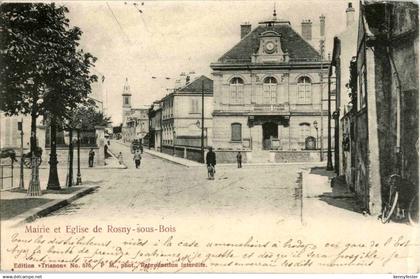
[267,66]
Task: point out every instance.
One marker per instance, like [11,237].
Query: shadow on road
[14,207]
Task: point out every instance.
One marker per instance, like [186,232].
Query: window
[270,90]
[236,90]
[195,106]
[304,90]
[126,101]
[236,132]
[362,89]
[305,131]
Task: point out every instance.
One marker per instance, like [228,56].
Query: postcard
[209,137]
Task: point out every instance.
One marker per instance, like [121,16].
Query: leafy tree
[43,71]
[87,117]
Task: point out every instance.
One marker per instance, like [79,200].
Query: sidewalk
[17,208]
[327,201]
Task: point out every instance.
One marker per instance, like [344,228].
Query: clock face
[269,47]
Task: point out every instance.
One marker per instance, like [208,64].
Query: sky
[168,38]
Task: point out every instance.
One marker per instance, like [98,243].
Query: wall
[189,153]
[9,134]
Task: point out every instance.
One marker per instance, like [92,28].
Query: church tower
[126,106]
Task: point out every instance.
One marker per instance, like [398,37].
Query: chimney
[245,29]
[307,29]
[350,14]
[322,26]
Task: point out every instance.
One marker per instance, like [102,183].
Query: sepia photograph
[204,137]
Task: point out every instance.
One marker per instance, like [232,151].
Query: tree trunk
[53,182]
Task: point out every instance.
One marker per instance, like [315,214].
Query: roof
[195,87]
[291,42]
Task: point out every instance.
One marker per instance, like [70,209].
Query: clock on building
[269,47]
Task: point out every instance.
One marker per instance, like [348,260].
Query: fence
[6,177]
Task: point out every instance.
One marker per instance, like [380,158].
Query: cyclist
[211,163]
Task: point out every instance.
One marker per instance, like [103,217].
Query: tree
[43,71]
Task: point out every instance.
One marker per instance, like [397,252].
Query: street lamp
[316,128]
[21,179]
[79,175]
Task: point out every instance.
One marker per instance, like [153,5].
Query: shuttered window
[236,132]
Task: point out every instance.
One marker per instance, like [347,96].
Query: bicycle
[402,201]
[210,172]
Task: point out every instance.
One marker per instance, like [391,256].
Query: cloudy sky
[170,37]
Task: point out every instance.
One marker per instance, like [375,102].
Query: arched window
[236,129]
[270,90]
[304,90]
[236,90]
[305,131]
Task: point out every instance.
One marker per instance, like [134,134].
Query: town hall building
[270,96]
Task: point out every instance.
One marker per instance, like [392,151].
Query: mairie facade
[268,97]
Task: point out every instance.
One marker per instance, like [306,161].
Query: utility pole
[322,51]
[329,155]
[202,121]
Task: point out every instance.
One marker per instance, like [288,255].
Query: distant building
[344,52]
[135,121]
[270,96]
[182,118]
[155,126]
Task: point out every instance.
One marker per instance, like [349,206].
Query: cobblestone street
[163,189]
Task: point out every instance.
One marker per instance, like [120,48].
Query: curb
[169,159]
[46,209]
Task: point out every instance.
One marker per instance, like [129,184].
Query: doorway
[270,131]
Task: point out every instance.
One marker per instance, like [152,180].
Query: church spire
[126,89]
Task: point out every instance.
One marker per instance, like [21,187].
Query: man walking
[239,159]
[137,158]
[211,163]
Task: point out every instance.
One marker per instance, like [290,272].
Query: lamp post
[316,128]
[79,175]
[21,179]
[53,181]
[70,175]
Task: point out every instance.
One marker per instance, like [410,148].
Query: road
[162,189]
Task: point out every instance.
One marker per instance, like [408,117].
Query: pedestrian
[211,163]
[239,159]
[137,158]
[120,158]
[91,157]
